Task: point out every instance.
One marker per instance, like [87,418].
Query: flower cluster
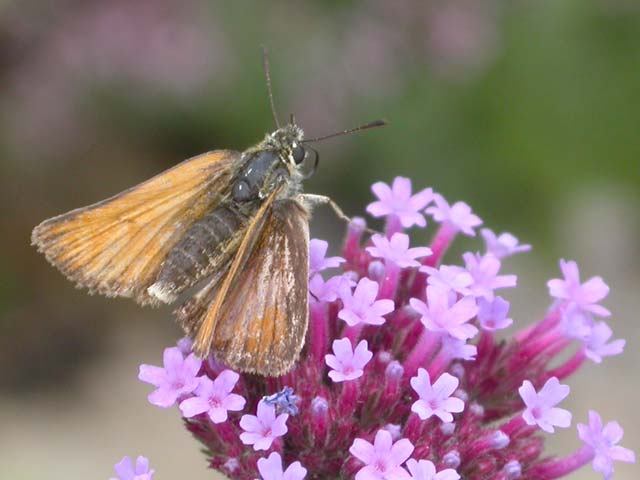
[402,376]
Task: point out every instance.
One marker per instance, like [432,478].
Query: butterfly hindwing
[117,247]
[259,318]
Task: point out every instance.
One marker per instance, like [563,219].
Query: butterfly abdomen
[205,247]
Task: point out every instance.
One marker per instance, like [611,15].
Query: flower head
[436,399]
[383,459]
[443,314]
[214,398]
[503,245]
[403,328]
[540,405]
[127,471]
[270,468]
[176,379]
[397,200]
[603,443]
[346,363]
[361,306]
[458,215]
[584,295]
[484,270]
[317,257]
[262,429]
[397,250]
[426,470]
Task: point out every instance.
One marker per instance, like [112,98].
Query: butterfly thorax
[272,163]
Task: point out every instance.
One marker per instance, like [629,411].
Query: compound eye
[298,154]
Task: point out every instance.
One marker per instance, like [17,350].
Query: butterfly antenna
[267,74]
[374,124]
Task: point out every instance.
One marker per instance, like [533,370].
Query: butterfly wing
[116,247]
[255,319]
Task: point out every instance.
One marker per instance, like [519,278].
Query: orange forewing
[116,247]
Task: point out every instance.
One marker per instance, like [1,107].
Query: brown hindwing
[261,318]
[116,247]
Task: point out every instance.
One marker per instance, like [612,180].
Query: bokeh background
[527,110]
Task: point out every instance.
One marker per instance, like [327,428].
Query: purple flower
[284,401]
[361,305]
[584,295]
[317,260]
[398,201]
[540,406]
[458,215]
[603,442]
[214,397]
[126,471]
[262,429]
[504,245]
[382,459]
[484,270]
[436,399]
[576,323]
[347,364]
[270,468]
[176,379]
[458,349]
[328,291]
[450,277]
[397,250]
[443,314]
[493,315]
[426,470]
[184,345]
[596,346]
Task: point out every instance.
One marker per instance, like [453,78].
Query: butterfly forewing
[261,322]
[117,247]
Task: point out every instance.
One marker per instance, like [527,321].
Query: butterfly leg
[311,200]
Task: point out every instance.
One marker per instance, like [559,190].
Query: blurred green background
[527,110]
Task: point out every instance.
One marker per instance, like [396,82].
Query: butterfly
[233,224]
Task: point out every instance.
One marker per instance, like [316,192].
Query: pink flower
[596,346]
[603,443]
[317,257]
[504,245]
[270,468]
[214,397]
[397,250]
[436,399]
[540,406]
[493,315]
[398,201]
[458,215]
[451,277]
[584,295]
[361,305]
[177,378]
[382,459]
[346,363]
[126,471]
[458,349]
[328,291]
[484,270]
[262,429]
[443,314]
[426,470]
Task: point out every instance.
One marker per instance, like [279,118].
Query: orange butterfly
[237,220]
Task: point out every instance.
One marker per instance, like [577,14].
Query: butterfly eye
[298,154]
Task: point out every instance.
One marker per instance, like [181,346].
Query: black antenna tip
[377,123]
